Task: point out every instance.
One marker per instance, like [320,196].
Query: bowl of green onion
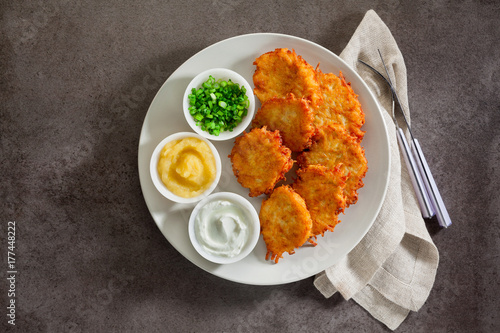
[219,104]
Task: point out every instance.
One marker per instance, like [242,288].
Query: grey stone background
[89,255]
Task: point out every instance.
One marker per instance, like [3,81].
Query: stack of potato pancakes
[318,118]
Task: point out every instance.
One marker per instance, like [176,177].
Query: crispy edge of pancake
[331,146]
[285,222]
[340,105]
[282,71]
[260,160]
[291,116]
[323,191]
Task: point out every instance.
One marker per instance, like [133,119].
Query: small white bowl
[225,74]
[249,213]
[155,176]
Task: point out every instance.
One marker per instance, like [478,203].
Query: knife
[428,196]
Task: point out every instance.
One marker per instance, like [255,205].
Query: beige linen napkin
[392,270]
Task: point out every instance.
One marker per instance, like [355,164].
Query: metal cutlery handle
[431,187]
[416,179]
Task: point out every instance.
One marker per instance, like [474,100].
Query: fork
[428,196]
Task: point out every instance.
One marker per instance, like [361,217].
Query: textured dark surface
[90,257]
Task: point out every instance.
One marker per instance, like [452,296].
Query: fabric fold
[392,270]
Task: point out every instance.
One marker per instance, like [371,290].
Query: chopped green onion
[218,106]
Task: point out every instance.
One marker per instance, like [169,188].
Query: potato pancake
[291,116]
[332,146]
[317,116]
[285,222]
[281,72]
[260,160]
[323,191]
[340,105]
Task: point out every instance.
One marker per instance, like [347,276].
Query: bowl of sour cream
[224,227]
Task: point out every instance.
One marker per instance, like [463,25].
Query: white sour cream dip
[222,228]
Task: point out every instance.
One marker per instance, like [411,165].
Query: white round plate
[165,116]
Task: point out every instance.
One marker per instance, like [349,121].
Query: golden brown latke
[260,160]
[291,116]
[281,72]
[285,222]
[340,105]
[332,146]
[323,191]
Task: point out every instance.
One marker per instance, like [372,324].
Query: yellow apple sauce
[187,167]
